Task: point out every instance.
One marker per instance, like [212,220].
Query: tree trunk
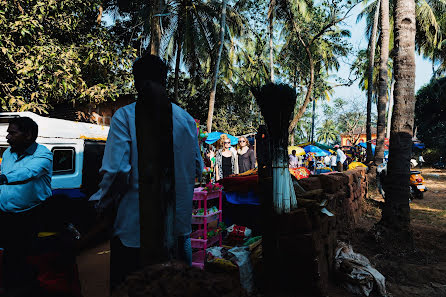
[383,82]
[217,66]
[177,69]
[155,28]
[272,5]
[308,94]
[372,45]
[390,108]
[396,211]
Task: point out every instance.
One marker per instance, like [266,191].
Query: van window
[63,160]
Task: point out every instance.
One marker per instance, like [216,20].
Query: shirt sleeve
[40,164]
[116,159]
[252,158]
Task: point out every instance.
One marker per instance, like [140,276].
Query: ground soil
[422,271]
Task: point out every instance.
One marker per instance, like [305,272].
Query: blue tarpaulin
[364,145]
[214,136]
[314,149]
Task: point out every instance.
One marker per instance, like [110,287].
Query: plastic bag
[358,274]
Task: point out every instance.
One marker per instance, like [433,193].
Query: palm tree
[372,44]
[383,82]
[328,132]
[217,66]
[396,211]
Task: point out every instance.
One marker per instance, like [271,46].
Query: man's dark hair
[293,152]
[149,67]
[25,125]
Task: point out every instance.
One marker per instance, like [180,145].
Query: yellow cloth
[353,165]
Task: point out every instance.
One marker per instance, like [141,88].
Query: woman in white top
[226,161]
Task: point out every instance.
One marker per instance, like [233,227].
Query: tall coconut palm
[383,81]
[372,44]
[396,211]
[217,67]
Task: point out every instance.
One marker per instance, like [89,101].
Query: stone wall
[307,238]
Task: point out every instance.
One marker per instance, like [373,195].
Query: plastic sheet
[356,272]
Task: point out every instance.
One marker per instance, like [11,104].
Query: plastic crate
[197,219]
[200,194]
[198,259]
[203,243]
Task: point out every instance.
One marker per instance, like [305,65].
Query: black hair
[26,124]
[293,152]
[149,67]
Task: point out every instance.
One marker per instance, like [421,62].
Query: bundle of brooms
[276,102]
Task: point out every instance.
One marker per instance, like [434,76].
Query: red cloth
[300,172]
[242,184]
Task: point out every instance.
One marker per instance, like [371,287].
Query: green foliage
[430,115]
[54,51]
[327,133]
[235,110]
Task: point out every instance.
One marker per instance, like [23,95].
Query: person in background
[25,183]
[294,160]
[333,161]
[327,161]
[300,161]
[340,158]
[310,161]
[421,161]
[246,156]
[120,174]
[226,160]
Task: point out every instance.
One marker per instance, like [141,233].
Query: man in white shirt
[327,161]
[340,158]
[120,165]
[293,159]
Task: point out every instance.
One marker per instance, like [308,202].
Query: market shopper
[25,183]
[120,173]
[333,161]
[340,158]
[246,156]
[421,161]
[327,161]
[226,160]
[293,159]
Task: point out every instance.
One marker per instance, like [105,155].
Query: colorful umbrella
[299,151]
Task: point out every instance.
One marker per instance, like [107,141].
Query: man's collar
[31,149]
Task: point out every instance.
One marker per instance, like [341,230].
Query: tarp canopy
[364,145]
[419,145]
[314,149]
[214,136]
[319,145]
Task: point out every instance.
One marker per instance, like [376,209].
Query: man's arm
[116,159]
[40,164]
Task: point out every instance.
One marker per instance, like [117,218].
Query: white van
[77,151]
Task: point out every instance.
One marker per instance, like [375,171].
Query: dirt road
[94,267]
[423,272]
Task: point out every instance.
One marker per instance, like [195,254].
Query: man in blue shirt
[25,182]
[120,174]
